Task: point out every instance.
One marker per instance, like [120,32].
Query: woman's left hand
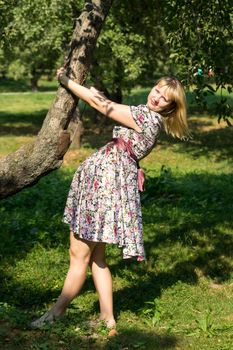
[61,76]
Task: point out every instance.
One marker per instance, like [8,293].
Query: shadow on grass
[133,338]
[217,143]
[54,337]
[192,212]
[214,143]
[11,85]
[21,124]
[197,208]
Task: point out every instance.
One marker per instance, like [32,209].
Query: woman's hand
[62,77]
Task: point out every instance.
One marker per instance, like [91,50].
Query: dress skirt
[103,203]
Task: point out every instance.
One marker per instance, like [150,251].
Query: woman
[103,204]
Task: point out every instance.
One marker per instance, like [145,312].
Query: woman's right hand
[61,76]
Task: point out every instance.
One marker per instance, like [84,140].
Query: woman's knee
[79,257]
[80,250]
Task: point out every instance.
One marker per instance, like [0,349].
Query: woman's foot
[47,318]
[109,324]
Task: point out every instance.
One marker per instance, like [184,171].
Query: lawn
[179,299]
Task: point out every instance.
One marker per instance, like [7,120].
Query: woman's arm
[116,111]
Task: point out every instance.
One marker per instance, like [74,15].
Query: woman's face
[157,99]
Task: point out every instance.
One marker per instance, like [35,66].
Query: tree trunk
[76,130]
[34,81]
[28,164]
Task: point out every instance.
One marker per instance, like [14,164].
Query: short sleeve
[149,122]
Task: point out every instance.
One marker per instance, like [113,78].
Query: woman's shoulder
[144,110]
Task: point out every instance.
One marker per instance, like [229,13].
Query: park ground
[181,298]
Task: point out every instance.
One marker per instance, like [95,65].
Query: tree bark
[34,81]
[76,130]
[28,164]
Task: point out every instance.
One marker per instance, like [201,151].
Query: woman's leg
[103,283]
[80,253]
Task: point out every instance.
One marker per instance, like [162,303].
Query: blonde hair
[175,114]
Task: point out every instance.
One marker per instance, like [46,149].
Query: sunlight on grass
[11,143]
[25,103]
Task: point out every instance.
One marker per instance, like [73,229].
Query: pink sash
[126,146]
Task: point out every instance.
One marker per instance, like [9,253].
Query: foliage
[200,37]
[199,34]
[5,17]
[131,46]
[154,311]
[35,36]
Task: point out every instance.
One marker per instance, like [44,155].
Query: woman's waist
[126,146]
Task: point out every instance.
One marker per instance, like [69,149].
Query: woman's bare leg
[80,253]
[103,283]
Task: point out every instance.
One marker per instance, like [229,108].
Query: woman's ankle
[57,311]
[59,308]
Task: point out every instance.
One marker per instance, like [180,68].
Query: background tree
[36,34]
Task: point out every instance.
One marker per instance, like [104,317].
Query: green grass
[180,298]
[21,117]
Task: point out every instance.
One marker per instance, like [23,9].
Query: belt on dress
[127,147]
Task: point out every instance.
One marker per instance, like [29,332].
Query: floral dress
[103,203]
